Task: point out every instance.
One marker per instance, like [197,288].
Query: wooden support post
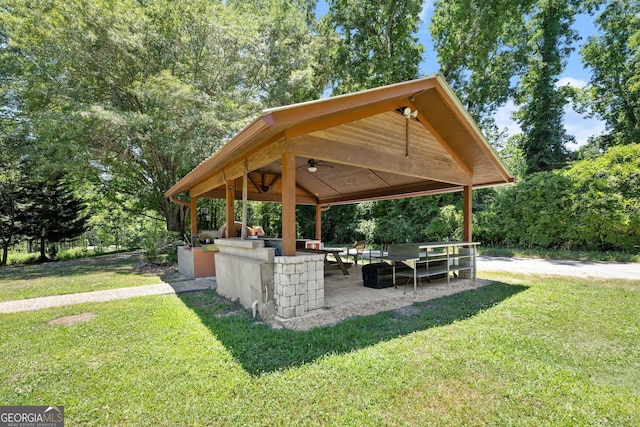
[230,215]
[243,233]
[318,222]
[467,209]
[288,204]
[193,207]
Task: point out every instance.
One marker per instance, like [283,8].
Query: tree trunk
[43,256]
[175,215]
[5,254]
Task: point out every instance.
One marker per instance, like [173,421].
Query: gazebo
[403,140]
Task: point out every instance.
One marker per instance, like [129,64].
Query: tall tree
[541,102]
[14,149]
[55,213]
[613,93]
[373,43]
[287,54]
[146,90]
[495,51]
[14,197]
[479,49]
[377,42]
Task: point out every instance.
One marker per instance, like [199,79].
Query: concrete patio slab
[345,297]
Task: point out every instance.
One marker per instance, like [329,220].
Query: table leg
[341,264]
[393,265]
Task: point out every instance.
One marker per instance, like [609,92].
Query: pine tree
[13,206]
[55,214]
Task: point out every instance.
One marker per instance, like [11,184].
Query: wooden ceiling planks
[365,148]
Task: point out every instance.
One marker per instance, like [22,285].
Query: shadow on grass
[261,349]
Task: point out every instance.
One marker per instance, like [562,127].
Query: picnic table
[336,256]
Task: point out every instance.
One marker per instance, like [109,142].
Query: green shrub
[161,247]
[52,252]
[591,205]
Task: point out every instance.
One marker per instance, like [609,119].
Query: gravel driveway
[561,267]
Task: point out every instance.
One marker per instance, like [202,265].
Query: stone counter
[286,286]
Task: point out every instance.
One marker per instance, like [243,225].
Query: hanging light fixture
[312,165]
[410,114]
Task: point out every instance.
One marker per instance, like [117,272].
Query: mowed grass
[66,277]
[523,351]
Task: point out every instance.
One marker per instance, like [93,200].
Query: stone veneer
[298,284]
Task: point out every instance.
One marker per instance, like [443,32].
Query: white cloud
[570,81]
[504,118]
[427,6]
[575,124]
[580,127]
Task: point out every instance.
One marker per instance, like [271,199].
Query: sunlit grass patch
[65,277]
[549,351]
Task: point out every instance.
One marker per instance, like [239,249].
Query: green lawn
[524,351]
[81,275]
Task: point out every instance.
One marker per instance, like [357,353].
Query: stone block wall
[298,284]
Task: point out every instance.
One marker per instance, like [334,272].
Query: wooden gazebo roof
[364,146]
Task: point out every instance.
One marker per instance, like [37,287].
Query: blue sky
[575,75]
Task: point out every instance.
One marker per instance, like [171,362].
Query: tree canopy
[376,43]
[139,93]
[613,93]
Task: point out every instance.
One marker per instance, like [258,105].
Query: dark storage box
[380,274]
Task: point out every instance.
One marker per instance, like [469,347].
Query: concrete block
[286,280]
[319,274]
[295,300]
[311,305]
[299,310]
[300,267]
[312,285]
[284,301]
[289,291]
[294,279]
[289,268]
[301,289]
[288,312]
